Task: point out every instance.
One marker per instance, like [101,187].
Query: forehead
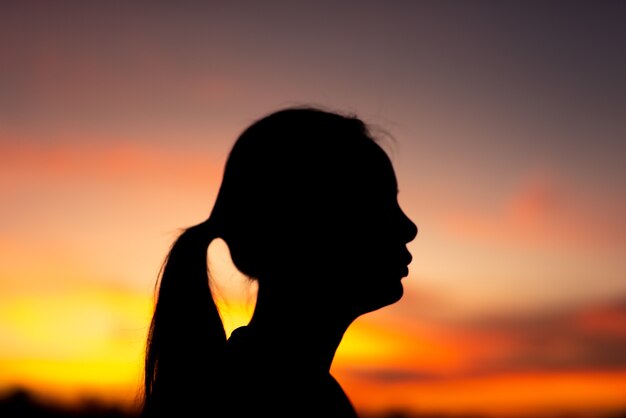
[371,172]
[376,162]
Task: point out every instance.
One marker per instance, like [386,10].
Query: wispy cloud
[546,211]
[587,337]
[112,160]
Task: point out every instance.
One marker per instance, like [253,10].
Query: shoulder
[262,384]
[284,393]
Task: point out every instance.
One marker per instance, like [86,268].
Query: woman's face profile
[366,253]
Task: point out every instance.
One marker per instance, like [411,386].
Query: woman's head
[307,192]
[308,207]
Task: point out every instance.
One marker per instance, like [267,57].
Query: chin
[397,294]
[384,297]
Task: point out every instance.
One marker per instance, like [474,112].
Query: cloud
[389,375]
[111,161]
[546,211]
[580,339]
[590,337]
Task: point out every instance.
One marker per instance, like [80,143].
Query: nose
[410,228]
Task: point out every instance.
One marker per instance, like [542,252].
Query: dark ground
[19,403]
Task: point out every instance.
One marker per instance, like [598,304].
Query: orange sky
[115,121]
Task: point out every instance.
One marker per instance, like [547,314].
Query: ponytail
[186,335]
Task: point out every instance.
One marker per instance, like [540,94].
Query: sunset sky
[508,121]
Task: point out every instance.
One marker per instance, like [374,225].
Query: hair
[186,337]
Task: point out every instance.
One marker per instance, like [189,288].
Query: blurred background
[509,141]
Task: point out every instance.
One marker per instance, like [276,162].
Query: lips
[398,264]
[407,260]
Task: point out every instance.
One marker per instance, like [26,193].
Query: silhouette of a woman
[308,207]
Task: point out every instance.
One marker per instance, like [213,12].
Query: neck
[295,330]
